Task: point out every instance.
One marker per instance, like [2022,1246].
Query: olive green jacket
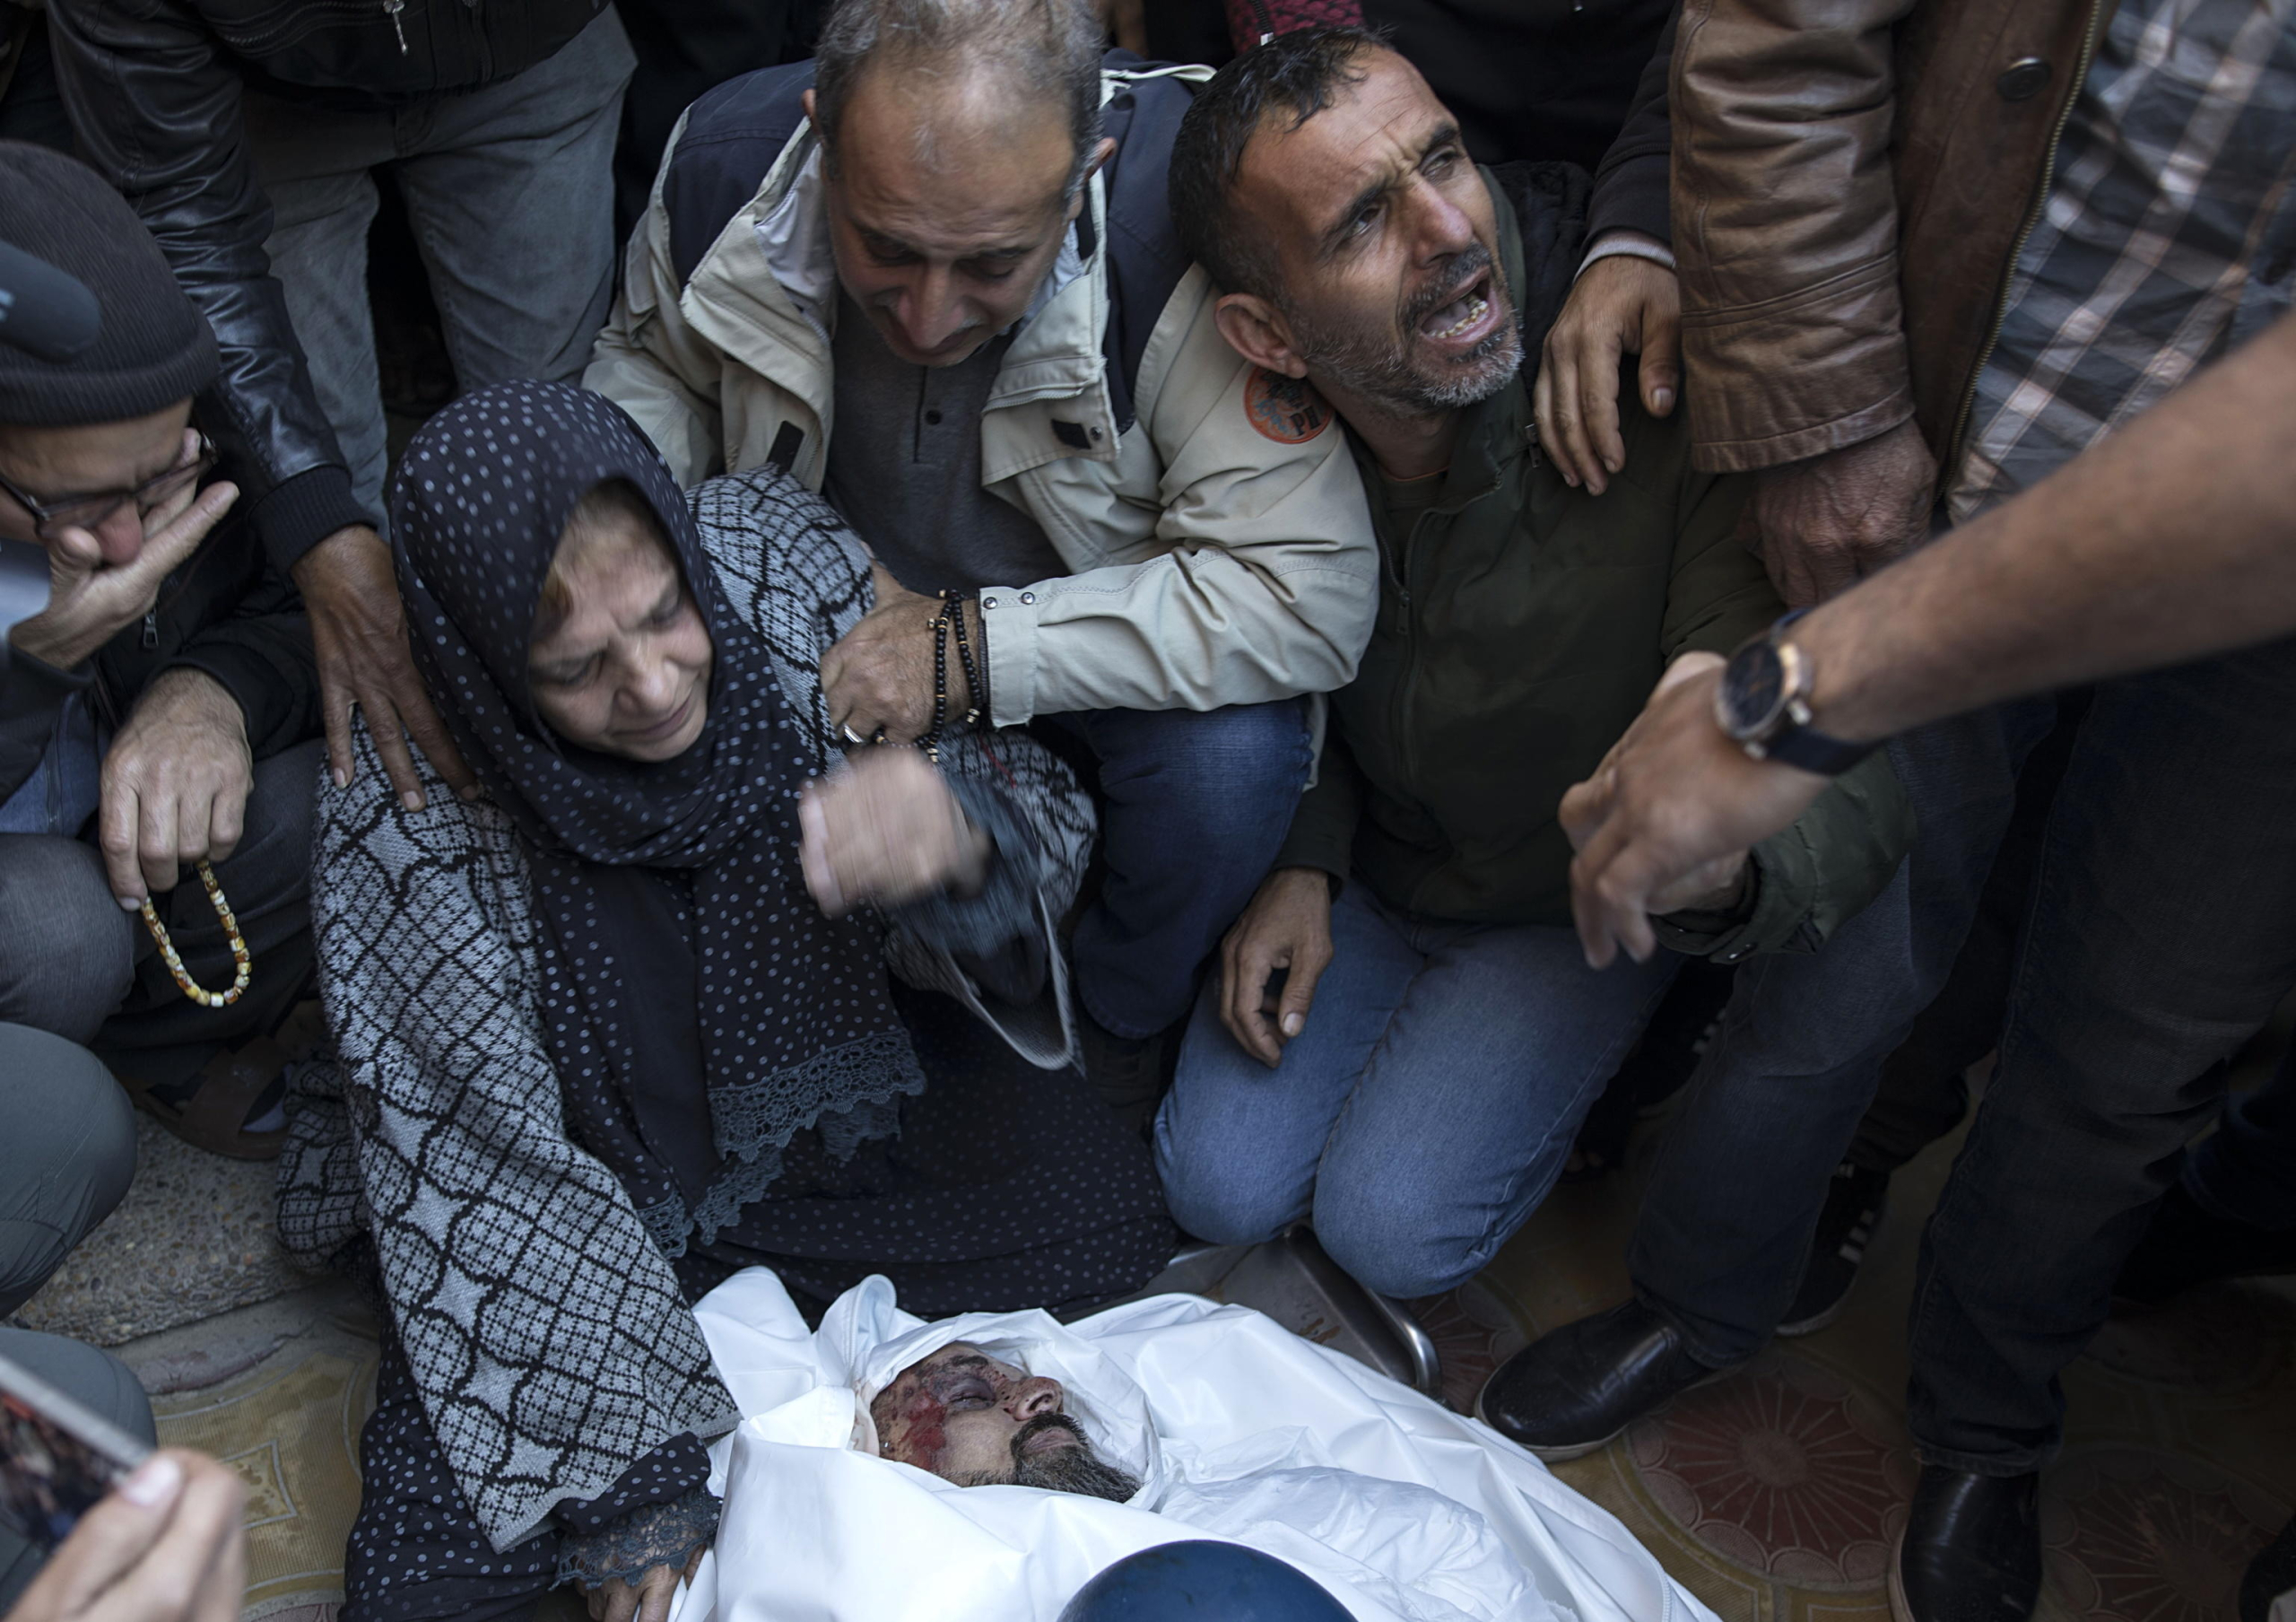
[1521,627]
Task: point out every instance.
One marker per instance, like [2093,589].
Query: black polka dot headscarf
[636,866]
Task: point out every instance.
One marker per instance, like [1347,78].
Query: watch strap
[1810,750]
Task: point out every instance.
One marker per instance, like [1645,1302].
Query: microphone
[45,313]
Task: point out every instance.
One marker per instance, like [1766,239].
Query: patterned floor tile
[1776,1494]
[1473,1333]
[2133,1535]
[290,1426]
[1784,1470]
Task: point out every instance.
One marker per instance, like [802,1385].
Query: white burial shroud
[1239,1430]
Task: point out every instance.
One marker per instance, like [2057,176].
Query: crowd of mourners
[1003,658]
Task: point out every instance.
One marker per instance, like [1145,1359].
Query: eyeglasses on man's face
[92,509]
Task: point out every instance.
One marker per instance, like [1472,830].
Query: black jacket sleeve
[1323,829]
[155,101]
[262,657]
[1630,183]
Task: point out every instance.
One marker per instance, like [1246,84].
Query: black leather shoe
[1568,1393]
[1971,1551]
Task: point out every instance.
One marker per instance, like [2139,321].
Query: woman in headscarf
[684,991]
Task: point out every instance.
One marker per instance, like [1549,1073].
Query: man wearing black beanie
[155,713]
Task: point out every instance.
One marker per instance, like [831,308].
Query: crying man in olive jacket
[1408,971]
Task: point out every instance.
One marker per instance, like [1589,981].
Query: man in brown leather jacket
[1837,306]
[1971,236]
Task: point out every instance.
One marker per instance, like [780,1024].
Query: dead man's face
[978,1422]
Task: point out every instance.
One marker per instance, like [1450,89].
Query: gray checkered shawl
[545,1329]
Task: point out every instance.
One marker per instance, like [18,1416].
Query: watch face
[1753,690]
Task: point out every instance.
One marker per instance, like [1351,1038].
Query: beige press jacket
[1220,546]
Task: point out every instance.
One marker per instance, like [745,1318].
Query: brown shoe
[214,1117]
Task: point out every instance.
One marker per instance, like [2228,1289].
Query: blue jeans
[511,191]
[1194,807]
[66,1157]
[1423,1112]
[1743,1171]
[2161,934]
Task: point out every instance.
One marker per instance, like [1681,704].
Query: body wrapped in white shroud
[1238,1429]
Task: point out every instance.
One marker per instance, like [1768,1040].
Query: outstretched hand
[1671,807]
[359,632]
[1287,927]
[1622,305]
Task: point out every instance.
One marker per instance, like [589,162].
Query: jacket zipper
[2097,10]
[397,26]
[1405,737]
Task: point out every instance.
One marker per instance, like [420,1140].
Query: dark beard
[1067,1470]
[1373,368]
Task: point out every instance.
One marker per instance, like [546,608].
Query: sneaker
[1846,1226]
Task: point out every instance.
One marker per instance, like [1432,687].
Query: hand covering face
[699,1009]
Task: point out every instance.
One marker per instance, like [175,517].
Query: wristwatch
[1763,704]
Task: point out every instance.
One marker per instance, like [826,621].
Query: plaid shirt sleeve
[2168,233]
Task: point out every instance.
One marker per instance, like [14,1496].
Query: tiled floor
[1775,1493]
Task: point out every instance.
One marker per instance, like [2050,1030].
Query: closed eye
[566,675]
[885,251]
[997,265]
